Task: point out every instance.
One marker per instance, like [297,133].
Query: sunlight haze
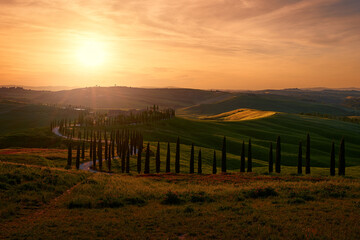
[228,44]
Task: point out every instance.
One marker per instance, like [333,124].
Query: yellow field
[240,114]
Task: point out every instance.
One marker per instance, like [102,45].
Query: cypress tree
[158,158]
[90,149]
[307,169]
[271,160]
[223,156]
[147,159]
[242,160]
[83,151]
[214,163]
[249,169]
[332,160]
[100,154]
[123,156]
[128,161]
[94,153]
[78,156]
[192,159]
[139,158]
[177,156]
[69,155]
[278,155]
[199,163]
[300,159]
[168,159]
[342,158]
[109,158]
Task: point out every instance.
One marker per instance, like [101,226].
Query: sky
[207,44]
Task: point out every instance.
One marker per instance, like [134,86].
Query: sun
[91,53]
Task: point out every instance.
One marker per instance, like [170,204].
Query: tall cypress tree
[83,151]
[342,158]
[168,158]
[300,159]
[147,159]
[158,158]
[192,159]
[278,156]
[100,154]
[139,158]
[91,149]
[307,170]
[223,156]
[271,160]
[242,159]
[177,156]
[94,153]
[249,169]
[128,161]
[69,155]
[109,158]
[214,163]
[199,163]
[332,160]
[123,156]
[78,156]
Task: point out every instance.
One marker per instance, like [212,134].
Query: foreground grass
[23,188]
[167,206]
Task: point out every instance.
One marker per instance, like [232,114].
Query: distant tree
[342,158]
[168,159]
[123,156]
[158,158]
[307,170]
[128,161]
[199,163]
[249,168]
[94,153]
[192,159]
[147,159]
[223,156]
[332,160]
[78,156]
[242,159]
[109,158]
[139,158]
[214,163]
[100,154]
[278,155]
[271,160]
[300,159]
[83,151]
[91,149]
[177,156]
[69,155]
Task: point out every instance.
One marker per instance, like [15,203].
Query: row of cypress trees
[128,145]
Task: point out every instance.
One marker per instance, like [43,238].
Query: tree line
[125,143]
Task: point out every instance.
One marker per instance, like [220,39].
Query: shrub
[296,201]
[109,202]
[80,202]
[171,198]
[200,197]
[135,201]
[261,193]
[188,210]
[304,195]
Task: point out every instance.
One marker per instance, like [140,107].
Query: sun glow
[91,53]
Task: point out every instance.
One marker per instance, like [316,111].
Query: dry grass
[241,114]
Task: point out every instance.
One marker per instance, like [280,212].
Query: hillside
[116,97]
[241,114]
[266,102]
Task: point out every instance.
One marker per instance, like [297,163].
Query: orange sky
[224,44]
